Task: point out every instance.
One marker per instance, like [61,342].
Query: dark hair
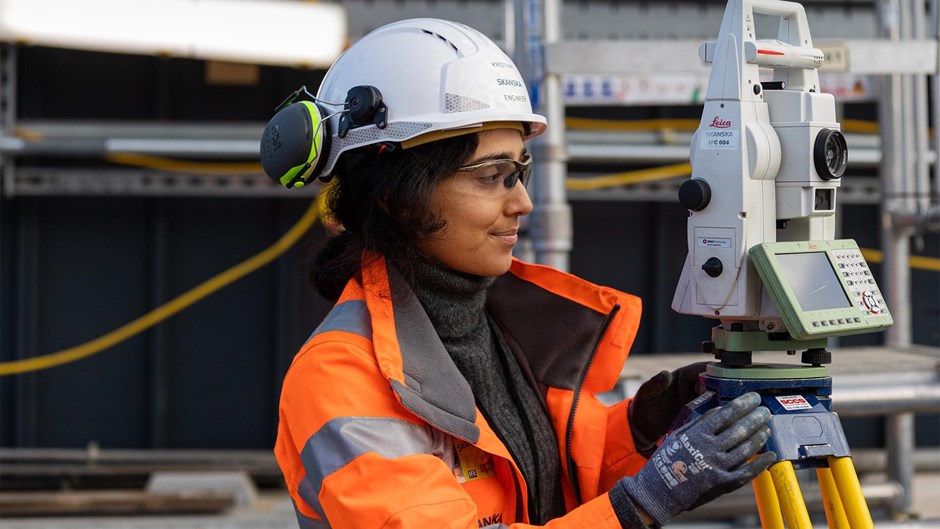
[383,202]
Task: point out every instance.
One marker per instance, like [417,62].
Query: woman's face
[481,215]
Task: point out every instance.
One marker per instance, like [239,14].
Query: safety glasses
[493,178]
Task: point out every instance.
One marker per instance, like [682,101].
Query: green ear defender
[295,143]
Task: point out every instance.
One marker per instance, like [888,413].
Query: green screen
[813,281]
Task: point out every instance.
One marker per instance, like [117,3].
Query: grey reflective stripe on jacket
[343,439]
[350,316]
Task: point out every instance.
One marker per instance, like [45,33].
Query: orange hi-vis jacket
[378,428]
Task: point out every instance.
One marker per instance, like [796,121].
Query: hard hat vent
[449,43]
[457,103]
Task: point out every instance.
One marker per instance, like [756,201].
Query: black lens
[523,169]
[830,154]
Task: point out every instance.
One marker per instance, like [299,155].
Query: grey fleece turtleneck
[455,303]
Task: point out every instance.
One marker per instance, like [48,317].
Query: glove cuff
[625,510]
[649,498]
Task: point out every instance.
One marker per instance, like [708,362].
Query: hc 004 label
[794,402]
[726,139]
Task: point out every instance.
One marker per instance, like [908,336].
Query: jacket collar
[412,356]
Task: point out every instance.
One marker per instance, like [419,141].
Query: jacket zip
[572,472]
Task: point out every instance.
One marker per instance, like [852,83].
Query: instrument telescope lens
[830,154]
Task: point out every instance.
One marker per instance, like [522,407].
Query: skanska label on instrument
[794,402]
[726,139]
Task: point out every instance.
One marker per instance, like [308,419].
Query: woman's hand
[703,459]
[658,402]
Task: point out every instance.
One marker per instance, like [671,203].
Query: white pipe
[895,280]
[921,172]
[551,218]
[900,429]
[509,30]
[908,117]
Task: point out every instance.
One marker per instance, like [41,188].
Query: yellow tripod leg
[790,495]
[768,506]
[856,509]
[835,512]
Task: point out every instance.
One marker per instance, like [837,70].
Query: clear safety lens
[493,177]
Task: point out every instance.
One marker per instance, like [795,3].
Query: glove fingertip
[764,460]
[660,382]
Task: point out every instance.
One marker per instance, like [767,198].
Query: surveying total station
[767,160]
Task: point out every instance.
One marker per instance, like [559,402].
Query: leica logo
[719,123]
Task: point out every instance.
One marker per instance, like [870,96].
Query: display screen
[813,281]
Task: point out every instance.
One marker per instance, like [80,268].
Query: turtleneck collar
[453,300]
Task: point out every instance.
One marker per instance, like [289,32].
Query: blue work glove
[703,459]
[658,401]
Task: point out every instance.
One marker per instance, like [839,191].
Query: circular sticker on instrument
[871,302]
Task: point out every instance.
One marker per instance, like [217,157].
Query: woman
[451,385]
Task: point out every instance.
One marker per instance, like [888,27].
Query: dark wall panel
[85,269]
[8,400]
[207,377]
[219,385]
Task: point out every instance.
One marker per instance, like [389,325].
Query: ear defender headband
[296,142]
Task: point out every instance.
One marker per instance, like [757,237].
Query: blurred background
[156,281]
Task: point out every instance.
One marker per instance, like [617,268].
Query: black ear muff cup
[292,143]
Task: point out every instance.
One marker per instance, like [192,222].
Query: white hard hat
[433,76]
[408,83]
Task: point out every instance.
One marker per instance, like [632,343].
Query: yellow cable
[872,256]
[857,125]
[175,305]
[689,125]
[628,177]
[611,125]
[922,262]
[166,164]
[919,262]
